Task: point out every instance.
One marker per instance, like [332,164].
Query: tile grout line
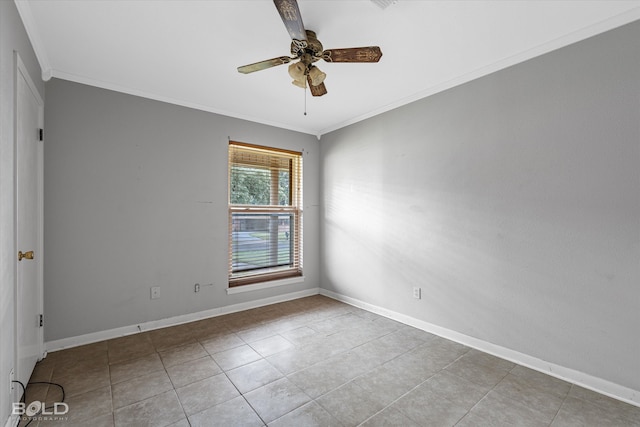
[243,396]
[415,387]
[274,328]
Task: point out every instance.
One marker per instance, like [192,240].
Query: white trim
[47,71]
[173,321]
[22,70]
[169,100]
[24,10]
[22,73]
[584,33]
[265,285]
[574,37]
[582,379]
[27,77]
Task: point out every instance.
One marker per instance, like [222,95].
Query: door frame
[22,72]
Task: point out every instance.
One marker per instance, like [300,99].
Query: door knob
[27,255]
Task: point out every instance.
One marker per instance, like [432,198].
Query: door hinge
[41,134]
[41,320]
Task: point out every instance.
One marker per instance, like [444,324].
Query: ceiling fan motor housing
[306,49]
[309,51]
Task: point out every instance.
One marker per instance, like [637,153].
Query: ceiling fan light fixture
[299,83]
[317,76]
[307,49]
[383,4]
[297,73]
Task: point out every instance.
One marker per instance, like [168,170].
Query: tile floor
[308,362]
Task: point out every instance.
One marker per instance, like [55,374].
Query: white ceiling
[186,52]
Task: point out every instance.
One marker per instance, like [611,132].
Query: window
[265,214]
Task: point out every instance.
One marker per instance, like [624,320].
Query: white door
[29,116]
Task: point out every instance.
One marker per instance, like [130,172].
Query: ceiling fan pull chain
[305,101]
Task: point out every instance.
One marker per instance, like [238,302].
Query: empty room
[319,213]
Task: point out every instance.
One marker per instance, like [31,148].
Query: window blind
[265,213]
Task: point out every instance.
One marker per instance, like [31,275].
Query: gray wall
[513,201]
[136,196]
[13,37]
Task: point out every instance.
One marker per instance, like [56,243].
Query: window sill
[265,285]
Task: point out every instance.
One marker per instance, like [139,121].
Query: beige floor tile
[135,368]
[75,365]
[82,382]
[276,399]
[181,354]
[389,417]
[157,411]
[301,336]
[386,384]
[427,408]
[379,352]
[480,373]
[89,406]
[257,333]
[182,423]
[541,381]
[56,393]
[350,404]
[337,323]
[418,365]
[578,412]
[459,390]
[253,375]
[272,345]
[84,353]
[295,359]
[266,365]
[203,394]
[517,389]
[42,371]
[36,391]
[208,329]
[405,338]
[439,352]
[166,338]
[320,378]
[129,347]
[105,420]
[232,413]
[503,411]
[192,371]
[608,404]
[240,321]
[308,415]
[222,343]
[474,420]
[140,388]
[235,357]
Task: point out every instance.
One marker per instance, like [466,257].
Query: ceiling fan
[306,48]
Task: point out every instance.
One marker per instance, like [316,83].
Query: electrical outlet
[155,292]
[11,379]
[196,288]
[417,293]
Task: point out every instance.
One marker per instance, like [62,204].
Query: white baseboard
[587,381]
[173,321]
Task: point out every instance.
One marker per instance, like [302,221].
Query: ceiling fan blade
[353,54]
[290,14]
[316,90]
[263,65]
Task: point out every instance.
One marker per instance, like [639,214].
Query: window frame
[268,158]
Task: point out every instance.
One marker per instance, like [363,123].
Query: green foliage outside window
[252,186]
